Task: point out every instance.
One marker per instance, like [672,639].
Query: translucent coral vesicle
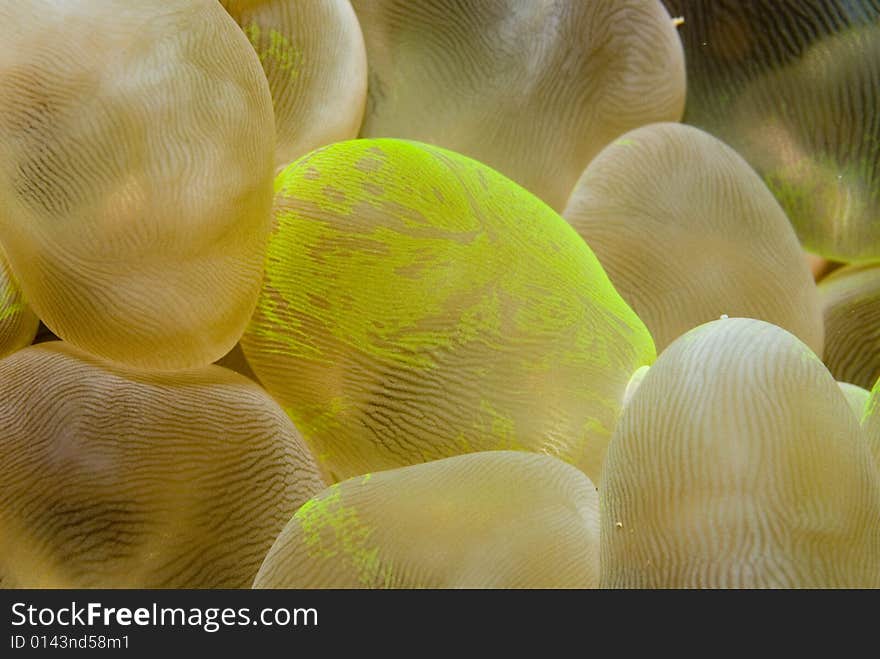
[136,147]
[419,305]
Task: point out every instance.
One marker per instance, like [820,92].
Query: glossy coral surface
[418,305]
[136,146]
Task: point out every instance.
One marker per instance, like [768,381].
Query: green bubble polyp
[418,305]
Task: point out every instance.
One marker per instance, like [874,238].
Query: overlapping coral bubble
[136,148]
[794,87]
[314,59]
[738,463]
[688,232]
[116,477]
[419,305]
[499,519]
[532,89]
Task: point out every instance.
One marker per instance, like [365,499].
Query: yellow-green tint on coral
[486,520]
[532,89]
[280,50]
[314,59]
[136,147]
[739,463]
[18,324]
[334,532]
[871,422]
[850,300]
[419,305]
[115,477]
[688,232]
[857,398]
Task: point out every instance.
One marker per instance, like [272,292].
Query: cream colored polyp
[532,89]
[738,463]
[136,149]
[688,232]
[118,478]
[314,58]
[871,423]
[851,306]
[486,520]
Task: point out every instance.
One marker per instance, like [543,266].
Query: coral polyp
[739,463]
[136,147]
[462,522]
[119,477]
[439,294]
[419,305]
[314,58]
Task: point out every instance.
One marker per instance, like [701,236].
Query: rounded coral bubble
[532,89]
[115,477]
[314,58]
[500,519]
[794,86]
[851,306]
[738,463]
[688,232]
[419,305]
[136,148]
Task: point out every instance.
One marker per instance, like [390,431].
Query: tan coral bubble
[314,58]
[533,89]
[485,520]
[136,147]
[856,396]
[871,422]
[739,463]
[18,323]
[702,239]
[851,304]
[794,86]
[418,305]
[121,478]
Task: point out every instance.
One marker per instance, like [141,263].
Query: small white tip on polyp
[724,316]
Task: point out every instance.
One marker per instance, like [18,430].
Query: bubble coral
[871,422]
[18,323]
[314,58]
[794,86]
[856,396]
[851,304]
[704,239]
[500,519]
[738,463]
[418,305]
[532,89]
[136,147]
[120,478]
